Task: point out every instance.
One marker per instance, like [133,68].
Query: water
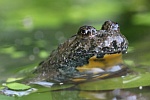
[133,87]
[20,58]
[30,30]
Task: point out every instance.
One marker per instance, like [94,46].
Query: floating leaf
[13,79]
[17,86]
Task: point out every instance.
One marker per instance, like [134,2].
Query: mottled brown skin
[62,64]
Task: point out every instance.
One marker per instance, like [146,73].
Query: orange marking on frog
[78,79]
[109,60]
[101,76]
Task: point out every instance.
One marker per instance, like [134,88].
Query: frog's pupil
[86,31]
[93,31]
[83,31]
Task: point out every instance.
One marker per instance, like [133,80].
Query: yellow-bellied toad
[72,60]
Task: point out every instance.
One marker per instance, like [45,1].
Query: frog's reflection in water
[117,94]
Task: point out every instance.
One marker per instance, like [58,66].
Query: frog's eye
[86,31]
[110,26]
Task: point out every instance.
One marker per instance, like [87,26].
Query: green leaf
[130,81]
[17,86]
[13,79]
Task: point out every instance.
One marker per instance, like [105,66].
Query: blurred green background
[31,29]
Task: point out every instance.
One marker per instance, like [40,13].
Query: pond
[132,87]
[30,30]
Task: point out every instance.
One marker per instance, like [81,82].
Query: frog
[87,55]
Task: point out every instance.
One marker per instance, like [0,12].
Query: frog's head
[114,41]
[107,40]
